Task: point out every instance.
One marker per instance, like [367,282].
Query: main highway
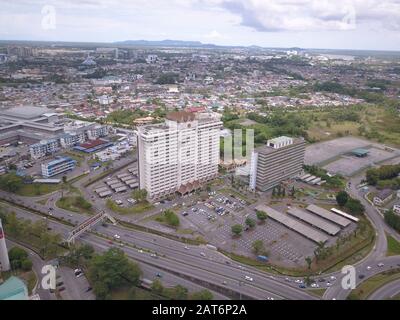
[175,257]
[205,265]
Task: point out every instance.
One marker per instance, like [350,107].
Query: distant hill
[164,43]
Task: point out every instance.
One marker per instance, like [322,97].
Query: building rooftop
[180,116]
[59,160]
[293,224]
[26,112]
[333,217]
[385,193]
[360,152]
[268,149]
[13,289]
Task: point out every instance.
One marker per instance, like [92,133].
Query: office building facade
[57,166]
[44,148]
[180,154]
[282,158]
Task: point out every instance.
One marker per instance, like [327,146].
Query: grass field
[320,130]
[376,123]
[372,284]
[37,189]
[317,292]
[393,246]
[75,204]
[137,208]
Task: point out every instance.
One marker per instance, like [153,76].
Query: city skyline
[345,24]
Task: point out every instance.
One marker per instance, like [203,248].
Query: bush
[237,229]
[250,222]
[341,198]
[26,265]
[355,206]
[171,218]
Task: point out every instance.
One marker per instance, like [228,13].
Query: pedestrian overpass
[87,224]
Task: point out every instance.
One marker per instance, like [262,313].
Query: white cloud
[213,35]
[311,15]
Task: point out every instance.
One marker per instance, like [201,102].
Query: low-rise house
[383,197]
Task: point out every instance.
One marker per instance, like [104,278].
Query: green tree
[293,191]
[355,206]
[139,195]
[202,295]
[341,198]
[171,218]
[179,293]
[250,222]
[237,229]
[261,216]
[17,256]
[10,182]
[112,270]
[26,265]
[258,247]
[309,261]
[157,287]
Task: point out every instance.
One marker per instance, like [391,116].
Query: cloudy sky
[343,24]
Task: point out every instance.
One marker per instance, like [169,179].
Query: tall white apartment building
[180,154]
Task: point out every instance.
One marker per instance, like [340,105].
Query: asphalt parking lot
[349,165]
[75,288]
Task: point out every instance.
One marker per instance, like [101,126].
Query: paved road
[386,292]
[174,257]
[214,267]
[378,254]
[37,264]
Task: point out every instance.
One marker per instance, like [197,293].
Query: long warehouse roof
[343,222]
[315,221]
[293,224]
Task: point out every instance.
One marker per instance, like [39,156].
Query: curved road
[386,292]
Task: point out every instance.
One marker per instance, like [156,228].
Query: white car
[116,236]
[328,284]
[380,265]
[314,285]
[333,278]
[186,247]
[369,268]
[249,278]
[298,281]
[202,254]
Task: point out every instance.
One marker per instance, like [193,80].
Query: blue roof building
[13,289]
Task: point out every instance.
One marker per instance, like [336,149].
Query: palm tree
[309,261]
